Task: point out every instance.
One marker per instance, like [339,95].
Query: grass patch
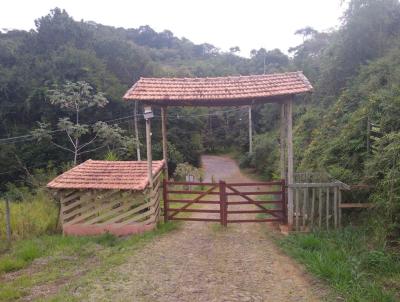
[61,257]
[35,215]
[346,260]
[9,264]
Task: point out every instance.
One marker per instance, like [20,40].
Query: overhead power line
[29,137]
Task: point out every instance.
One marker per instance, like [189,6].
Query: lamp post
[148,115]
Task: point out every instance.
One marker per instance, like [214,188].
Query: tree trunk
[76,151]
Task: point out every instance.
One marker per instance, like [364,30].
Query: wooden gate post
[223,203]
[165,198]
[290,171]
[250,132]
[164,139]
[283,141]
[284,204]
[149,155]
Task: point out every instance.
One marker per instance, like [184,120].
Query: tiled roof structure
[100,174]
[218,91]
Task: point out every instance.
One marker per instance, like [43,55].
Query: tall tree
[74,98]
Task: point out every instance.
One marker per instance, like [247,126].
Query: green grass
[35,215]
[348,262]
[61,257]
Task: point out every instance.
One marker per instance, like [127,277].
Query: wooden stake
[297,208]
[368,135]
[8,221]
[312,207]
[250,132]
[290,159]
[320,208]
[327,208]
[149,155]
[304,210]
[335,207]
[165,199]
[164,139]
[340,207]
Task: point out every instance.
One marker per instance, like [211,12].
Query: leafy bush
[245,160]
[111,156]
[264,158]
[185,169]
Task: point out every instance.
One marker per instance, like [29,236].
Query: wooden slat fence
[317,204]
[105,207]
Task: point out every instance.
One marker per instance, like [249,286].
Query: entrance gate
[223,202]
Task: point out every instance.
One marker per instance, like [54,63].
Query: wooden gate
[224,202]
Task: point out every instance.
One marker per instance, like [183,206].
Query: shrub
[185,169]
[245,160]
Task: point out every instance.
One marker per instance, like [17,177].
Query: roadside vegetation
[357,268]
[35,215]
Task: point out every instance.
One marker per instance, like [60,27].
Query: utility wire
[29,137]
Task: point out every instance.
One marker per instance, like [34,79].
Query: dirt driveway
[202,262]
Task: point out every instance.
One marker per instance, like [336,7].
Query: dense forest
[349,126]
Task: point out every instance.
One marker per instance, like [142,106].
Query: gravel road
[203,262]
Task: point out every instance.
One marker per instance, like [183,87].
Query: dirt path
[201,262]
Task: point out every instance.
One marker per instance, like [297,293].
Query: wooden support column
[164,139]
[135,112]
[283,123]
[290,171]
[250,132]
[149,155]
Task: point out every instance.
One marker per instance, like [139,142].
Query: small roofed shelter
[108,197]
[250,90]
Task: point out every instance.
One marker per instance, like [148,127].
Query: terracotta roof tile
[219,90]
[99,174]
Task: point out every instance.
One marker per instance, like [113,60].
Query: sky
[249,24]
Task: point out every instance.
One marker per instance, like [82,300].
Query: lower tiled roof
[100,174]
[218,91]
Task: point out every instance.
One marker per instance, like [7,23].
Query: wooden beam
[164,139]
[149,155]
[282,141]
[290,171]
[355,205]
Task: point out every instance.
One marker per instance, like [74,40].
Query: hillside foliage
[355,71]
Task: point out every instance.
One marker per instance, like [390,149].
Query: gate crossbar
[193,201]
